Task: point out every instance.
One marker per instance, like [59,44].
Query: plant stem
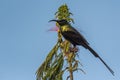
[70,70]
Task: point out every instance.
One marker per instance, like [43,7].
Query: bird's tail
[97,56]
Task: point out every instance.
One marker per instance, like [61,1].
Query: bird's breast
[65,28]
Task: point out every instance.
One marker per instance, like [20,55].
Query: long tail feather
[96,55]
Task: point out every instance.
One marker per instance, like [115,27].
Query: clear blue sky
[25,42]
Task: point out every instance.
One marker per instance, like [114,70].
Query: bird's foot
[74,49]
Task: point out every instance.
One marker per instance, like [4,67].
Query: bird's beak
[53,20]
[57,22]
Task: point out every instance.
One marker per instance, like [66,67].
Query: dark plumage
[73,36]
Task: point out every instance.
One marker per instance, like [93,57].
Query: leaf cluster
[64,13]
[53,66]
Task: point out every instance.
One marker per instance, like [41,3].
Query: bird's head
[60,22]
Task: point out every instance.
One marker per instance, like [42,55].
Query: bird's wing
[80,35]
[74,36]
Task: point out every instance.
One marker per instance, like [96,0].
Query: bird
[76,38]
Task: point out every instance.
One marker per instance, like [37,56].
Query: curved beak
[53,20]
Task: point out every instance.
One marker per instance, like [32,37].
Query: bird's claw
[75,49]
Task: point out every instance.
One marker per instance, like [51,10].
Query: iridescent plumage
[73,36]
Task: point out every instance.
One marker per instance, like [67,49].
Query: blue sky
[25,41]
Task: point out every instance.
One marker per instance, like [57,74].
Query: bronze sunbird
[75,38]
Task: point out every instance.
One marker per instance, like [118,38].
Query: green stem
[70,70]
